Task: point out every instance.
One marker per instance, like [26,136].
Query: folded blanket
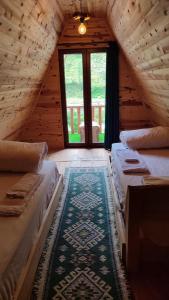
[17,197]
[128,155]
[131,162]
[10,211]
[9,207]
[153,180]
[25,186]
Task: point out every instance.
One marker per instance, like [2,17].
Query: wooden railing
[80,109]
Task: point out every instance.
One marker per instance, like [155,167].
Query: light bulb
[82,28]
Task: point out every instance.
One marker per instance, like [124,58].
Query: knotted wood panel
[28,33]
[142,29]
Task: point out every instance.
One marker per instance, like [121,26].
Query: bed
[22,237]
[142,211]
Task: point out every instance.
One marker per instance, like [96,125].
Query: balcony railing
[77,115]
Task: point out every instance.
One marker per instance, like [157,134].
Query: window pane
[73,68]
[98,90]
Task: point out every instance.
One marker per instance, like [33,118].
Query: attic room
[84,149]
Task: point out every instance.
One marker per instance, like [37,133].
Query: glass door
[73,78]
[83,80]
[98,94]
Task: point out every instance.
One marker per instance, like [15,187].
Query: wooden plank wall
[133,113]
[98,32]
[28,35]
[46,121]
[45,124]
[142,30]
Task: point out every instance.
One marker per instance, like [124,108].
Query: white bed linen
[157,161]
[18,233]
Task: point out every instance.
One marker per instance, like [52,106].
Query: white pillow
[21,157]
[156,137]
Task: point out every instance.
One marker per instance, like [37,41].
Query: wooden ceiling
[29,32]
[95,8]
[141,28]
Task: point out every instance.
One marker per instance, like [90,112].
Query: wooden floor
[153,282]
[79,158]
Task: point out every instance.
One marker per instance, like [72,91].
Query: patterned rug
[80,260]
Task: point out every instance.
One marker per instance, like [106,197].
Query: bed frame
[25,281]
[148,203]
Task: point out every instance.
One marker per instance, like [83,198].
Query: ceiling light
[82,17]
[82,28]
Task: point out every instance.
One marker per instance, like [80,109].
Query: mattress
[19,233]
[157,161]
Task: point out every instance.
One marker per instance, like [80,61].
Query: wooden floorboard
[79,158]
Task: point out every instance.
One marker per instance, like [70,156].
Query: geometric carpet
[80,259]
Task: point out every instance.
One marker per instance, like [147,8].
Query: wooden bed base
[146,203]
[24,285]
[119,223]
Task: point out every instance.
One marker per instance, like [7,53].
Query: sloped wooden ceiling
[28,35]
[45,124]
[142,30]
[95,8]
